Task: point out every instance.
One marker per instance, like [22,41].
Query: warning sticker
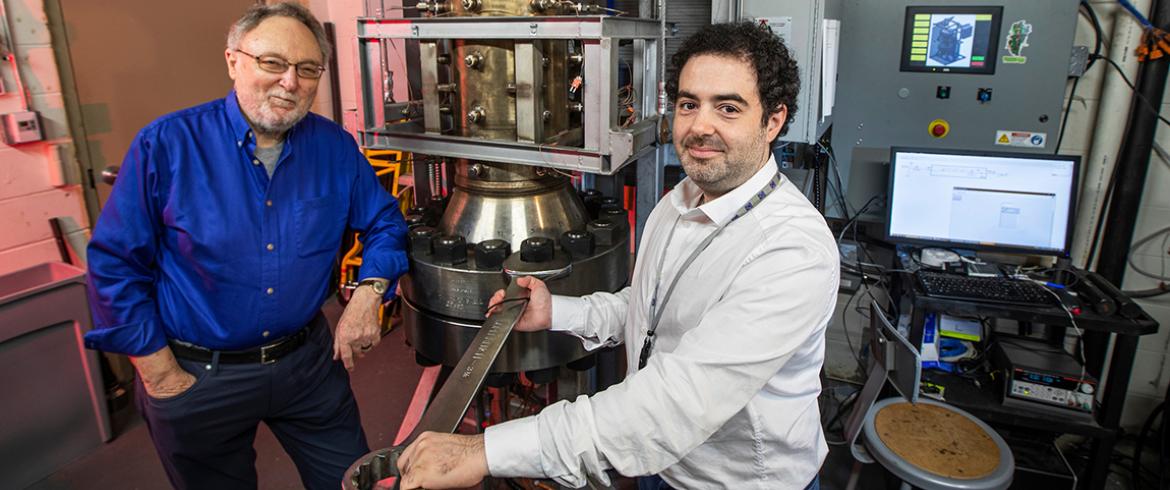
[1022,139]
[1017,40]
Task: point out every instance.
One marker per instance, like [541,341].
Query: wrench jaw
[372,468]
[454,397]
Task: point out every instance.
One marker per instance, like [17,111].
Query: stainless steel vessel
[496,214]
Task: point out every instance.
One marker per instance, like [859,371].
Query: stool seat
[934,445]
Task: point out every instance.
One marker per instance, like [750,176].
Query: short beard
[714,178]
[266,122]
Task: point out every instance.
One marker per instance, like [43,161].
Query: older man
[213,256]
[723,323]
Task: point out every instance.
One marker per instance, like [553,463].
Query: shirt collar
[723,208]
[241,130]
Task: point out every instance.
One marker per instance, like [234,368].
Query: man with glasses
[212,258]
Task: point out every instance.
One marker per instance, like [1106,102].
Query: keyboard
[985,289]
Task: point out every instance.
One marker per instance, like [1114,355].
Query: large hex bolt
[605,231]
[615,214]
[609,202]
[490,254]
[450,250]
[592,200]
[420,240]
[414,220]
[578,243]
[536,249]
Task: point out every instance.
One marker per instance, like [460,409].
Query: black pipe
[1132,165]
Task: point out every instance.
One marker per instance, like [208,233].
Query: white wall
[28,196]
[1151,368]
[344,14]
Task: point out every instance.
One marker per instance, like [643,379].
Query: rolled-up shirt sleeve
[647,423]
[598,319]
[375,214]
[121,258]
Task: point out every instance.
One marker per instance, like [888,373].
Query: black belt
[265,354]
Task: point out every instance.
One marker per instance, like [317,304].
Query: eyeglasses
[275,64]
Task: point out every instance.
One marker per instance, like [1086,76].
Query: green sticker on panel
[1017,40]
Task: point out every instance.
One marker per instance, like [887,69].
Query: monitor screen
[982,200]
[951,39]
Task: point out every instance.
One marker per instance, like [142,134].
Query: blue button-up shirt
[197,243]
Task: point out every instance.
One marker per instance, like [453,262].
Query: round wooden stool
[932,445]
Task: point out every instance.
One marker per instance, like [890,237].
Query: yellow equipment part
[385,163]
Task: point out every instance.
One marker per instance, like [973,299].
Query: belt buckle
[264,359]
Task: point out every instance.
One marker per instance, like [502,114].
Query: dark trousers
[204,436]
[655,482]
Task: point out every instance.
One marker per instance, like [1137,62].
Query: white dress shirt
[729,396]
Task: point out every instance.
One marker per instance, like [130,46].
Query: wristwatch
[379,285]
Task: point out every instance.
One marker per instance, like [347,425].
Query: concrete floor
[383,382]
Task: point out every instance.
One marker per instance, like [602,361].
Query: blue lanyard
[655,309]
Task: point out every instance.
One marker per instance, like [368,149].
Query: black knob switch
[536,249]
[490,254]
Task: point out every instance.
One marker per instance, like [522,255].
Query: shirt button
[270,291]
[255,161]
[239,143]
[271,247]
[268,203]
[265,333]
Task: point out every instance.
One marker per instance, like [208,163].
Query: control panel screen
[951,39]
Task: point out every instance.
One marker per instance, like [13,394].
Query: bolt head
[490,254]
[420,240]
[536,249]
[450,250]
[578,243]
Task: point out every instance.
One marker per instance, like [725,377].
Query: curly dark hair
[777,79]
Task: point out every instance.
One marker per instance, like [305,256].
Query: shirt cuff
[133,339]
[513,449]
[568,313]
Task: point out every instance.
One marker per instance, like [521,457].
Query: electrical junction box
[994,70]
[811,32]
[22,127]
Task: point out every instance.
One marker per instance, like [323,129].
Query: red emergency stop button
[939,128]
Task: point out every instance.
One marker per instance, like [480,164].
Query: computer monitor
[952,39]
[986,201]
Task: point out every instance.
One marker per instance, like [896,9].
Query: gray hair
[257,13]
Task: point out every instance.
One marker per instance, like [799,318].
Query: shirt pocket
[319,224]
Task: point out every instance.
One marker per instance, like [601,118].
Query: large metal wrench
[446,411]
